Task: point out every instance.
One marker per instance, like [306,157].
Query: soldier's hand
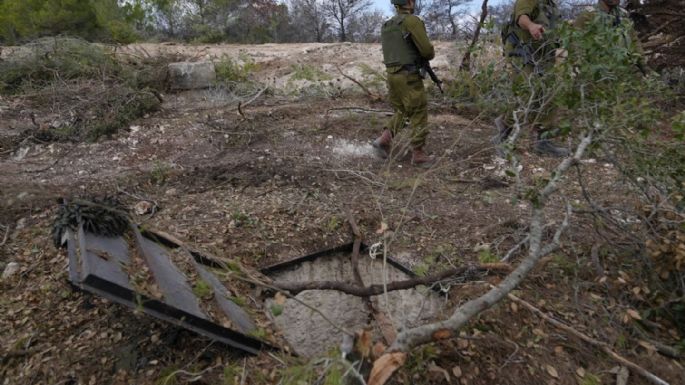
[536,30]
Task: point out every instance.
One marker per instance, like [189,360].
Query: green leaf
[276,310]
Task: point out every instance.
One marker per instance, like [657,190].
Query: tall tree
[167,15]
[365,27]
[445,14]
[466,60]
[500,13]
[341,13]
[29,19]
[309,20]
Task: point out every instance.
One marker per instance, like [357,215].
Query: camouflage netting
[661,24]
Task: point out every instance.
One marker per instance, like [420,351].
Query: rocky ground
[275,181]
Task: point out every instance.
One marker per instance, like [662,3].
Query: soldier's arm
[417,31]
[523,9]
[536,30]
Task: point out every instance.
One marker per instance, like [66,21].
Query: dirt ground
[275,183]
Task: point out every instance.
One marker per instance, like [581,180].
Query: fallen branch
[52,164]
[445,329]
[348,288]
[448,328]
[666,350]
[385,324]
[360,109]
[622,360]
[7,233]
[357,82]
[242,105]
[511,251]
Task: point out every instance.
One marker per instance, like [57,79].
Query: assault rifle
[424,66]
[522,50]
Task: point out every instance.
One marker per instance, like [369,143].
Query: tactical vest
[397,51]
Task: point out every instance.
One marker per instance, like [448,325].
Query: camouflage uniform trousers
[409,101]
[529,88]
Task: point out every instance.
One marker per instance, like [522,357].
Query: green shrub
[208,35]
[122,32]
[229,70]
[310,73]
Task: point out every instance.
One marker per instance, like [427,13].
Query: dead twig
[511,251]
[594,255]
[357,82]
[193,376]
[666,350]
[367,291]
[360,109]
[387,328]
[241,105]
[603,346]
[154,208]
[52,164]
[7,233]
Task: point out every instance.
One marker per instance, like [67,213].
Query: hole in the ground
[309,334]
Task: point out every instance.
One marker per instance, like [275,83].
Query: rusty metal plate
[100,265]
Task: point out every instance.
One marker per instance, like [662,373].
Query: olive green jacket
[543,12]
[416,29]
[519,45]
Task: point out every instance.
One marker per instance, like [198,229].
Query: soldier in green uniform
[610,13]
[530,53]
[405,44]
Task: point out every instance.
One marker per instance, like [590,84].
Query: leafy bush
[600,87]
[122,32]
[104,20]
[307,72]
[488,88]
[208,35]
[228,70]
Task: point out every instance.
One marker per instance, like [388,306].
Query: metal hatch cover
[101,265]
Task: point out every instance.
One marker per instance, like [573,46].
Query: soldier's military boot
[546,147]
[381,145]
[420,159]
[503,132]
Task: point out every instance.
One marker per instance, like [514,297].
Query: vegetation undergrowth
[102,94]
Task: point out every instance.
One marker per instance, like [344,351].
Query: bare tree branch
[466,60]
[352,289]
[638,369]
[447,328]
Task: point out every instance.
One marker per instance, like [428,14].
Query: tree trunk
[466,60]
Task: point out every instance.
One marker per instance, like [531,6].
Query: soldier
[530,53]
[405,45]
[611,13]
